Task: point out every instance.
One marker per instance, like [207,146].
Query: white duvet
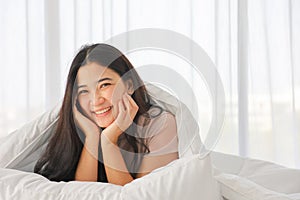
[251,179]
[190,177]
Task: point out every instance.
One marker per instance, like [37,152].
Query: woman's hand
[89,128]
[87,168]
[127,111]
[115,167]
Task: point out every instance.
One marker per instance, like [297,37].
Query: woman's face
[99,91]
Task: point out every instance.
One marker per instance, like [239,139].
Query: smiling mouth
[103,111]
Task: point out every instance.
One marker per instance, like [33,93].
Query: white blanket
[247,179]
[189,177]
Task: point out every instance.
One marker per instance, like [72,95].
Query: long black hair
[62,154]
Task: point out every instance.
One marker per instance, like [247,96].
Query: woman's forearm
[87,169]
[115,167]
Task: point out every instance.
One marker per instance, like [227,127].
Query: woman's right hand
[89,128]
[87,168]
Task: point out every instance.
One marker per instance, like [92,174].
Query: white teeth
[103,111]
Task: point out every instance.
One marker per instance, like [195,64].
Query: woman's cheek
[115,102]
[116,94]
[115,105]
[84,103]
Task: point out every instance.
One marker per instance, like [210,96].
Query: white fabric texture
[21,149]
[190,176]
[245,179]
[15,184]
[187,128]
[238,188]
[187,178]
[273,177]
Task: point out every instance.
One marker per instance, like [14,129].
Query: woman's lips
[103,112]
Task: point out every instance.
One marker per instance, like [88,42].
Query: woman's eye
[104,85]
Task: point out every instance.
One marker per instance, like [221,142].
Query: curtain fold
[52,53]
[254,45]
[243,69]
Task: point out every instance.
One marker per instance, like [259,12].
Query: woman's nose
[98,99]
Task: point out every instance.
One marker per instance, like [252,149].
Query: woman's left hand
[127,111]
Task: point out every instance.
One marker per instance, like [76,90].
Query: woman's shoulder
[162,134]
[157,121]
[163,119]
[156,115]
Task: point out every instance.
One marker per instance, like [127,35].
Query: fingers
[131,101]
[124,107]
[121,106]
[127,111]
[127,107]
[130,104]
[126,103]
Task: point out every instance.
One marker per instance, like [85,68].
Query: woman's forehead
[91,73]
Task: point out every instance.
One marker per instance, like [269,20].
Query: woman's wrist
[91,144]
[92,134]
[111,135]
[92,139]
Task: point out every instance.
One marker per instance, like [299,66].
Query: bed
[197,174]
[245,178]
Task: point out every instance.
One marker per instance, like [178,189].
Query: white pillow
[234,187]
[186,178]
[226,163]
[271,176]
[15,184]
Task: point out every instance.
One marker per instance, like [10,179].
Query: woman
[109,128]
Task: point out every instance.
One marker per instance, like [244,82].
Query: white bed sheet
[251,179]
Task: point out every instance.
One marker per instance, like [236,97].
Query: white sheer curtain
[253,43]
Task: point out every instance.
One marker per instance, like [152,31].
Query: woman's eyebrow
[104,79]
[100,80]
[80,86]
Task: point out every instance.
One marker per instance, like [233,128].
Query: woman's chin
[105,120]
[104,124]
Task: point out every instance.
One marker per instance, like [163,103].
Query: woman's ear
[130,88]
